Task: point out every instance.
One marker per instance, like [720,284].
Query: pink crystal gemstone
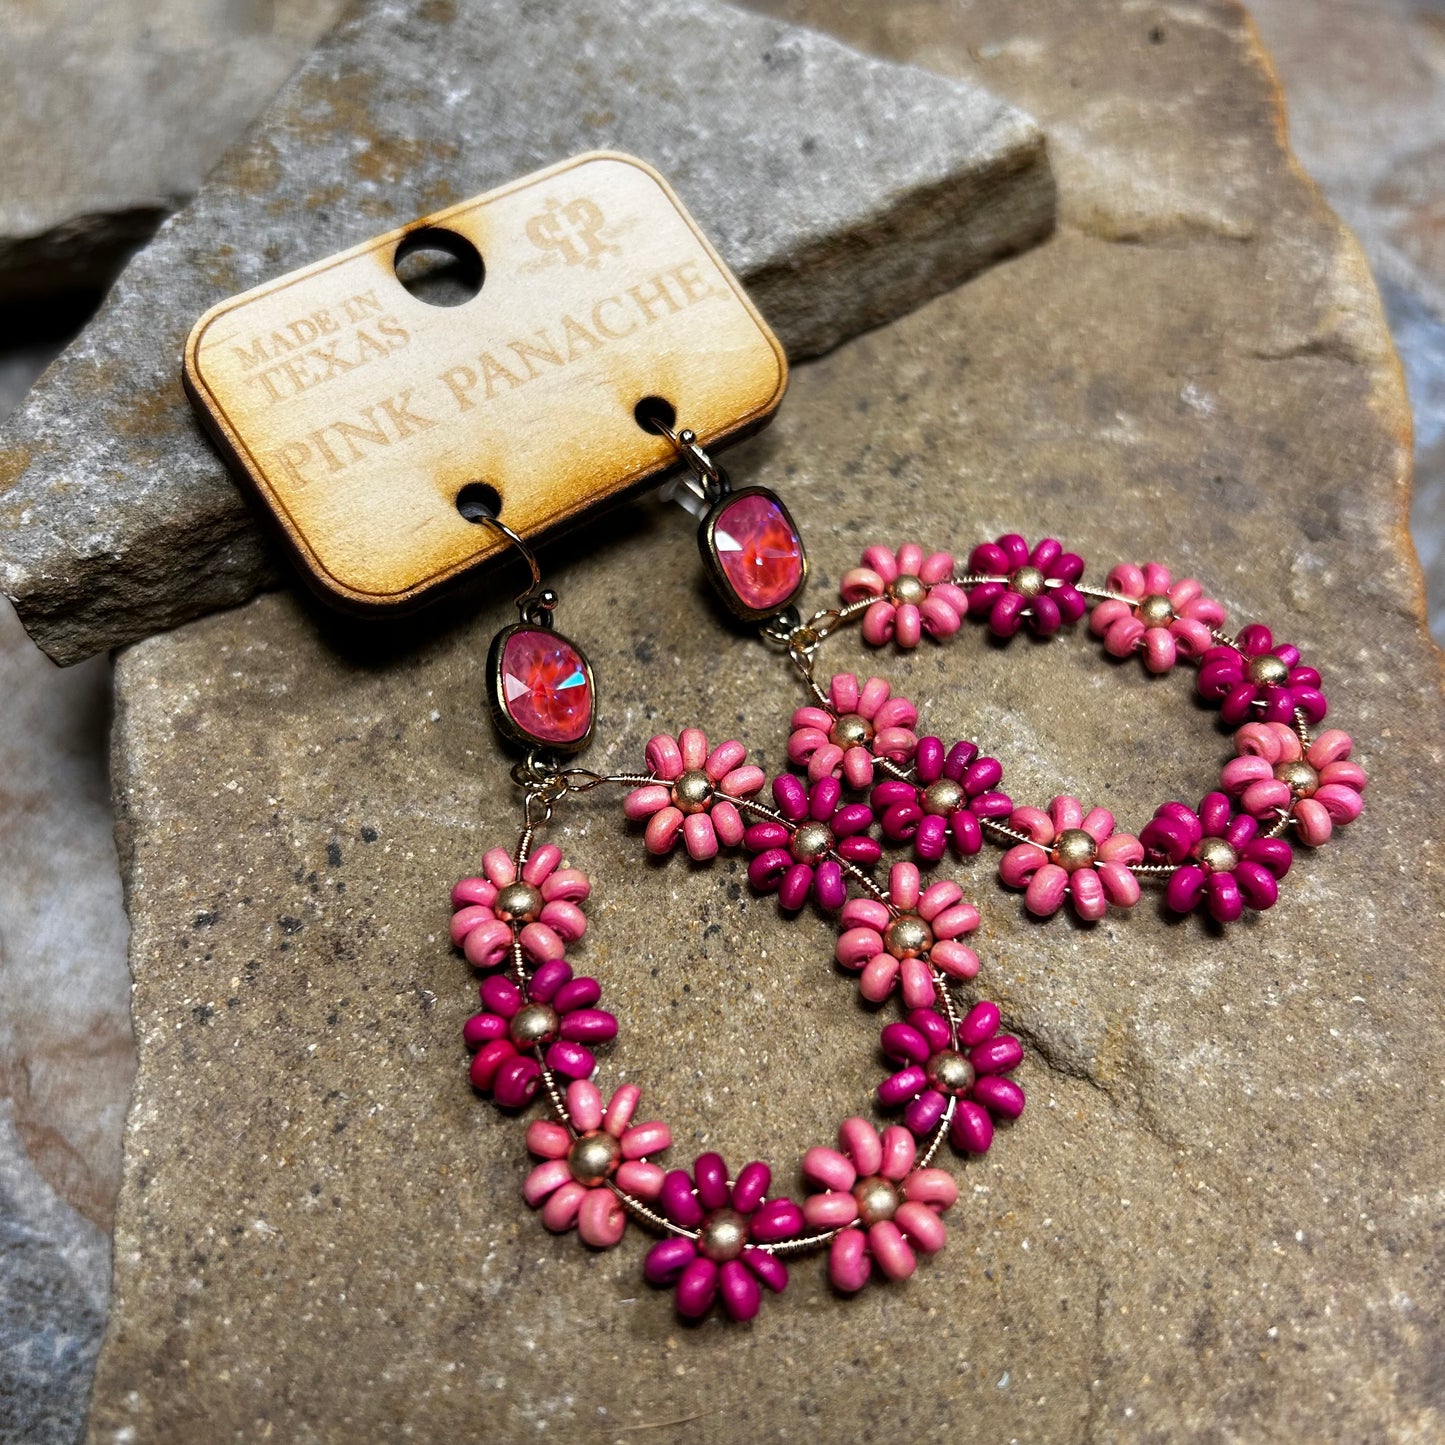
[544,686]
[759,552]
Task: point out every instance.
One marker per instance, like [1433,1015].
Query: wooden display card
[359,411]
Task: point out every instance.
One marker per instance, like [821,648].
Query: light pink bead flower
[882,1207]
[1318,788]
[685,802]
[860,725]
[915,595]
[1073,855]
[570,1186]
[540,909]
[902,946]
[1163,619]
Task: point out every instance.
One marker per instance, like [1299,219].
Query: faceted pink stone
[760,553]
[544,686]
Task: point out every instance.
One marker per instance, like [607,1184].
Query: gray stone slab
[1219,1218]
[113,113]
[843,189]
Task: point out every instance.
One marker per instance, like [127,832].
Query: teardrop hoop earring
[866,778]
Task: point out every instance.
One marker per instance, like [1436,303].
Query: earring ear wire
[536,605]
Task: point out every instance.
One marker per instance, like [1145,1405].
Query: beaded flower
[555,1015]
[882,1207]
[1073,855]
[860,725]
[1220,859]
[1163,619]
[539,910]
[916,595]
[687,801]
[1261,682]
[799,857]
[1275,775]
[719,1255]
[934,1071]
[952,793]
[901,943]
[1026,588]
[570,1186]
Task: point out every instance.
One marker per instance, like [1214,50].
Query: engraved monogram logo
[573,230]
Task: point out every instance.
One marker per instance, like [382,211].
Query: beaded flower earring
[866,779]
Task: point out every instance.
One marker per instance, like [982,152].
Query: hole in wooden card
[654,409]
[439,267]
[478,502]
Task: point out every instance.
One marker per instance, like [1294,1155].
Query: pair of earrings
[866,777]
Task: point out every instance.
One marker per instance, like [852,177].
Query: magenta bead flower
[539,910]
[1275,776]
[721,1255]
[1162,619]
[1075,856]
[900,946]
[953,792]
[798,859]
[692,799]
[571,1185]
[1220,859]
[916,595]
[555,1019]
[934,1071]
[881,1206]
[860,725]
[1033,589]
[1261,682]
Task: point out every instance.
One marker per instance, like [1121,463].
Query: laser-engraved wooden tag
[360,411]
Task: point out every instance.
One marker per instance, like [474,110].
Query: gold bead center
[1301,778]
[906,589]
[950,1072]
[534,1024]
[1028,582]
[1267,671]
[1216,855]
[942,797]
[908,936]
[1075,849]
[692,791]
[593,1157]
[851,731]
[877,1199]
[811,841]
[1156,610]
[517,903]
[723,1236]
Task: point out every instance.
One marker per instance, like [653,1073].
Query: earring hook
[536,604]
[714,480]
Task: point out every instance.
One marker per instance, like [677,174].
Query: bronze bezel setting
[712,562]
[506,724]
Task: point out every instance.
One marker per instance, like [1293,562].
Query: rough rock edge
[1384,362]
[72,608]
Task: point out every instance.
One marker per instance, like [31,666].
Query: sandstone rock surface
[843,189]
[113,113]
[1219,1218]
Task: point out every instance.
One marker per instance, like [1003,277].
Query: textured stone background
[1219,1218]
[112,113]
[1363,79]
